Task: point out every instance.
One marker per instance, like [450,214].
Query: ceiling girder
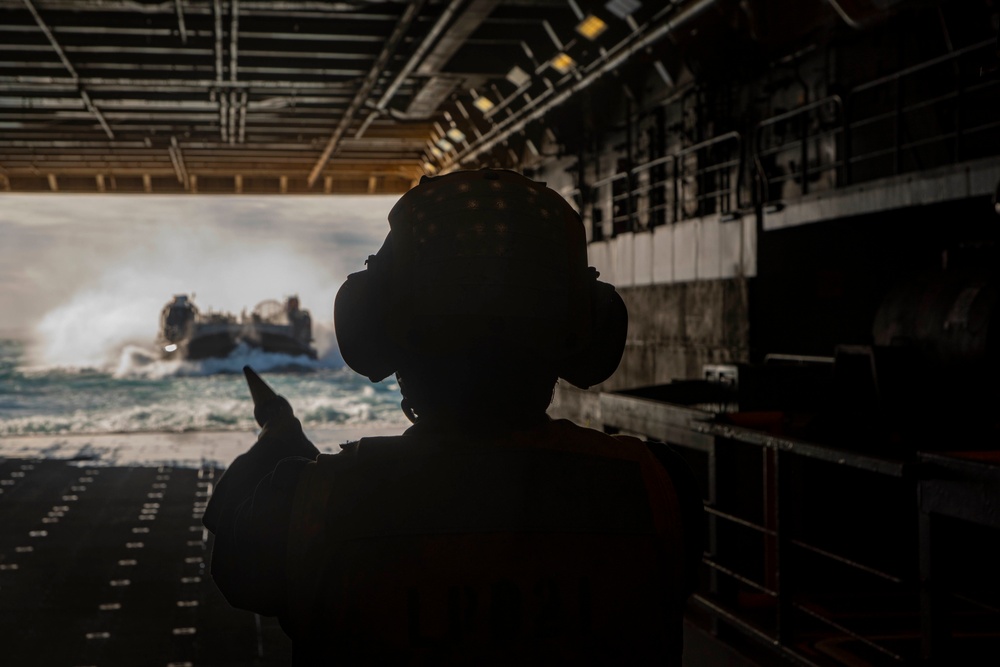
[69,66]
[366,86]
[220,88]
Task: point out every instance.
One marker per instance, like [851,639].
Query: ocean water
[138,392]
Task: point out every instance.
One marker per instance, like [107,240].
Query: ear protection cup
[602,352]
[425,299]
[361,320]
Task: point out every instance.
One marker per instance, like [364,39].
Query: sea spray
[122,305]
[91,274]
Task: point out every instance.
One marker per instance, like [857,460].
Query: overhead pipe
[411,64]
[234,30]
[177,157]
[47,82]
[218,94]
[243,117]
[847,18]
[180,21]
[516,122]
[366,87]
[87,102]
[217,9]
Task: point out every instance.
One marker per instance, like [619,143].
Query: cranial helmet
[482,262]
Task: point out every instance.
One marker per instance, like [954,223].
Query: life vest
[557,544]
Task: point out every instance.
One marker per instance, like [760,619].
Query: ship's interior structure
[799,201]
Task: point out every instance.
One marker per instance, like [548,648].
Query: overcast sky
[104,265]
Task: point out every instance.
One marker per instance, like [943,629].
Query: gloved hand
[281,437]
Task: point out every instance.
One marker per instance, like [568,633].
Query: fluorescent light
[444,144]
[437,152]
[623,8]
[518,76]
[591,27]
[482,103]
[456,135]
[562,63]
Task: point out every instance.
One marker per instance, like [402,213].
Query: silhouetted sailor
[487,533]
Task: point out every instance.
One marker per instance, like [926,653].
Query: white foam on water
[121,308]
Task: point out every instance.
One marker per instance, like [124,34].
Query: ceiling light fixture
[518,76]
[591,27]
[482,103]
[563,63]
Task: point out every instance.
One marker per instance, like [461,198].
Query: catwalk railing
[822,554]
[938,113]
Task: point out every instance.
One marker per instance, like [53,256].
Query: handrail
[739,577]
[732,134]
[846,105]
[888,78]
[791,113]
[802,141]
[674,160]
[842,163]
[609,179]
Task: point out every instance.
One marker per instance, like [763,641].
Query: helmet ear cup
[599,359]
[361,323]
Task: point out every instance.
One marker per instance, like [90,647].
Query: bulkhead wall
[675,329]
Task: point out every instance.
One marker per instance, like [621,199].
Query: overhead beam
[180,21]
[62,146]
[219,96]
[411,64]
[347,171]
[235,106]
[140,49]
[69,67]
[243,118]
[305,105]
[177,158]
[217,32]
[234,30]
[328,9]
[366,87]
[465,25]
[131,83]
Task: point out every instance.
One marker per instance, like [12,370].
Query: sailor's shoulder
[288,471]
[353,452]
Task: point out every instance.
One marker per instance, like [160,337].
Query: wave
[143,393]
[138,361]
[216,415]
